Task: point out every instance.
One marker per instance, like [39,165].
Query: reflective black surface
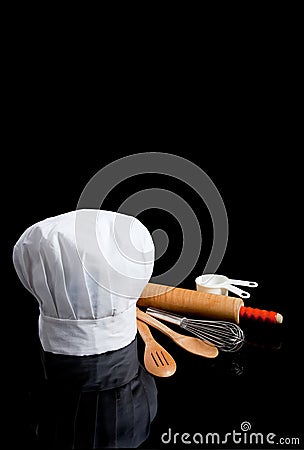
[98,401]
[262,384]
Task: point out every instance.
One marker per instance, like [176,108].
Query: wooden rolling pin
[213,306]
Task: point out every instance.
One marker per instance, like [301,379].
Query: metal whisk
[227,336]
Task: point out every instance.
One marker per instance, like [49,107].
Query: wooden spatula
[156,359]
[191,344]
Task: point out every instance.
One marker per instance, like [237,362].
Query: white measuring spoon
[243,283]
[214,281]
[237,291]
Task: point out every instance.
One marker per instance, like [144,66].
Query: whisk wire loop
[227,336]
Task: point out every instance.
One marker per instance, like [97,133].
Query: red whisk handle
[260,314]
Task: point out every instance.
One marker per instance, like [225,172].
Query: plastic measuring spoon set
[219,284]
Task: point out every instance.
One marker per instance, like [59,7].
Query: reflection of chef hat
[87,268]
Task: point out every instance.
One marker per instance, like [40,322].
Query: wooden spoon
[191,344]
[157,360]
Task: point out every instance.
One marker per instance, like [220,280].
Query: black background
[240,128]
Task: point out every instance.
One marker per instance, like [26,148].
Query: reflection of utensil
[227,336]
[156,359]
[191,344]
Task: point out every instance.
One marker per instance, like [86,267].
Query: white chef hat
[87,268]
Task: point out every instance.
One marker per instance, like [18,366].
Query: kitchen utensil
[219,284]
[191,344]
[210,306]
[226,336]
[156,359]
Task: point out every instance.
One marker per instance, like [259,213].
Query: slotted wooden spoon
[191,344]
[156,359]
